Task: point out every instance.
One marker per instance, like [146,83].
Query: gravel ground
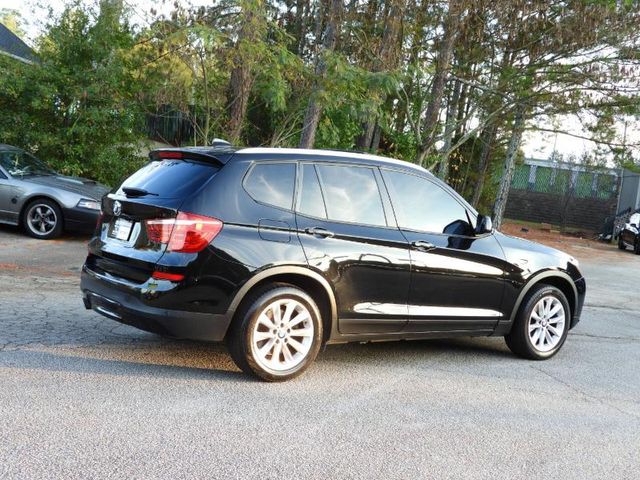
[84,397]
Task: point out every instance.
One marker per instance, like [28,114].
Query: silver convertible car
[42,201]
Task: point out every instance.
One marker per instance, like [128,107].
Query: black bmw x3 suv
[279,251]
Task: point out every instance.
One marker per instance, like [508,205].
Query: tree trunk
[207,102]
[302,8]
[439,79]
[417,36]
[241,76]
[314,108]
[509,166]
[375,141]
[449,129]
[386,59]
[467,169]
[488,137]
[240,88]
[363,142]
[462,110]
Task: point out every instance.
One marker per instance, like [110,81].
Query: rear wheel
[541,326]
[621,244]
[636,246]
[43,219]
[276,334]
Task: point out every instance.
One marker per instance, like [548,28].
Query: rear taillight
[159,231]
[187,233]
[169,154]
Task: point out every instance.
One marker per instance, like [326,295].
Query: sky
[534,144]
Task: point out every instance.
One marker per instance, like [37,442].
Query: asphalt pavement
[84,397]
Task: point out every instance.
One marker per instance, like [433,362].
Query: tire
[526,337]
[253,332]
[621,244]
[636,246]
[42,219]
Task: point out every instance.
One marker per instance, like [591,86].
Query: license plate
[121,229]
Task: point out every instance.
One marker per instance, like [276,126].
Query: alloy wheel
[547,323]
[283,335]
[41,219]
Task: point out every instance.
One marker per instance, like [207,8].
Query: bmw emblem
[117,208]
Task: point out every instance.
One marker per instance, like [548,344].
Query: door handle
[423,245]
[319,232]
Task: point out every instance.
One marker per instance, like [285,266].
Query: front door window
[423,206]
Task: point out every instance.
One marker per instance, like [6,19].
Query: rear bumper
[128,303]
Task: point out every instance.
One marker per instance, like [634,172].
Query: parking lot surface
[84,397]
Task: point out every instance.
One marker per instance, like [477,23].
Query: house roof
[11,45]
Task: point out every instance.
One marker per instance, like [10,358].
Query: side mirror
[484,225]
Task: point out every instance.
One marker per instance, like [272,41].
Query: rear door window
[351,194]
[272,183]
[170,178]
[310,201]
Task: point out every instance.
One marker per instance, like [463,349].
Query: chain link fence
[563,182]
[565,195]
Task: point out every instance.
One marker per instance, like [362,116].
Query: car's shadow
[51,361]
[17,231]
[153,356]
[396,350]
[158,361]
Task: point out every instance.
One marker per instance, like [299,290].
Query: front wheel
[541,326]
[276,334]
[43,219]
[621,244]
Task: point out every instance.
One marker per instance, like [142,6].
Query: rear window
[272,183]
[170,178]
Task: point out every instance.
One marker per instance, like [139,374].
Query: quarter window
[272,183]
[351,194]
[422,205]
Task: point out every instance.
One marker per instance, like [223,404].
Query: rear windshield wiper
[136,192]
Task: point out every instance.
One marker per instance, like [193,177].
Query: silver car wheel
[546,323]
[41,219]
[283,335]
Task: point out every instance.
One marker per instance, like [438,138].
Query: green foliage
[337,129]
[83,107]
[76,108]
[401,145]
[276,75]
[12,20]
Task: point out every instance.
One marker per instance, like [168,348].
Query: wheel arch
[28,201]
[558,279]
[307,280]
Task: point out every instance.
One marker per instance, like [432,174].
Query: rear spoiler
[219,156]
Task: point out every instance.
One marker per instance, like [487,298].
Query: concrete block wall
[567,211]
